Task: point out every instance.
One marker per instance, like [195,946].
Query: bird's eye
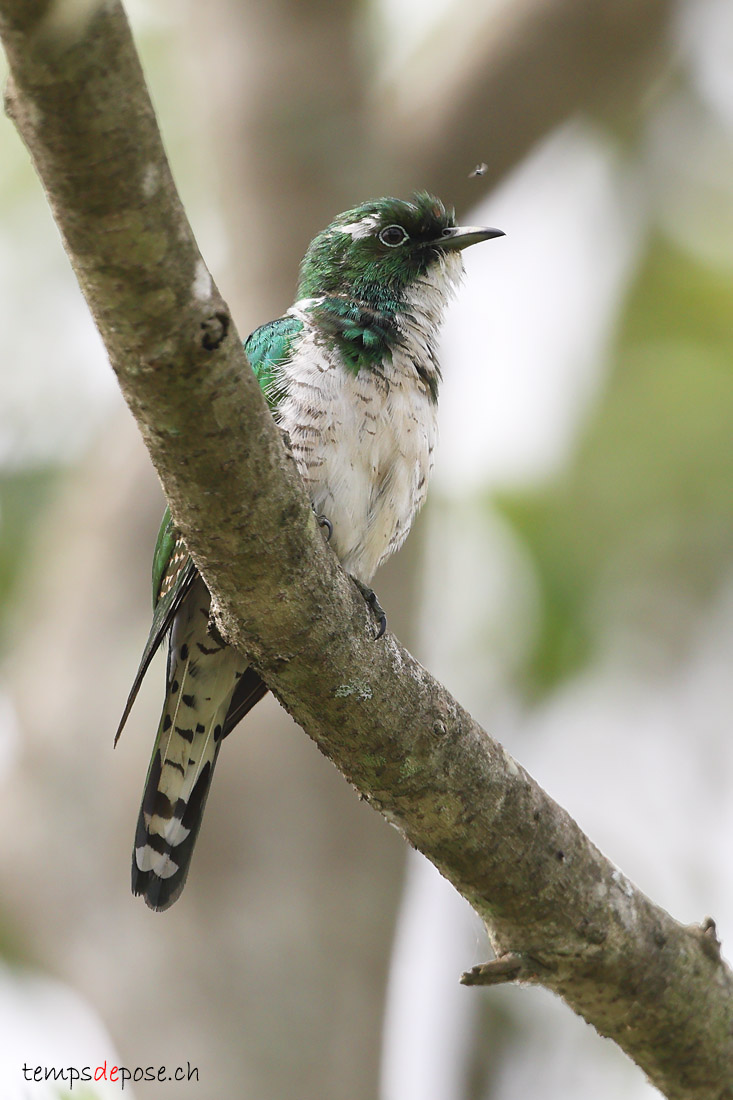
[393,235]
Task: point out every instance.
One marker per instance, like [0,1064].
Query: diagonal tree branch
[495,81]
[558,912]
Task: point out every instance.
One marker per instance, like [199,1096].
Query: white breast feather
[364,443]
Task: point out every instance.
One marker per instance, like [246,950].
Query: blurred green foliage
[638,530]
[23,495]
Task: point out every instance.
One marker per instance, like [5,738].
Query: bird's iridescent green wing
[267,348]
[165,546]
[173,574]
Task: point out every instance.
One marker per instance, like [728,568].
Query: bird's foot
[373,604]
[324,521]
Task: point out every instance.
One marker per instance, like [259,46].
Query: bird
[351,376]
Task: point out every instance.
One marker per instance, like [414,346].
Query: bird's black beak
[461,236]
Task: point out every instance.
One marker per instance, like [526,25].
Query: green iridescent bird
[351,374]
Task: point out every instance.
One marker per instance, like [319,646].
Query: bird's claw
[324,521]
[374,605]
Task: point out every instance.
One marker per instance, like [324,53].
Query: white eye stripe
[362,228]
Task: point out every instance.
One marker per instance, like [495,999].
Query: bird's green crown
[375,251]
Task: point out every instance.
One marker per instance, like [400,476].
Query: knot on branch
[709,941]
[507,968]
[215,329]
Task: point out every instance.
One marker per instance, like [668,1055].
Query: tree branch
[558,912]
[498,79]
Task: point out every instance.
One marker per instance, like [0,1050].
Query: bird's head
[383,249]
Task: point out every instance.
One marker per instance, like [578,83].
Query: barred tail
[172,808]
[208,690]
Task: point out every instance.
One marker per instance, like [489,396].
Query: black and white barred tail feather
[207,691]
[166,834]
